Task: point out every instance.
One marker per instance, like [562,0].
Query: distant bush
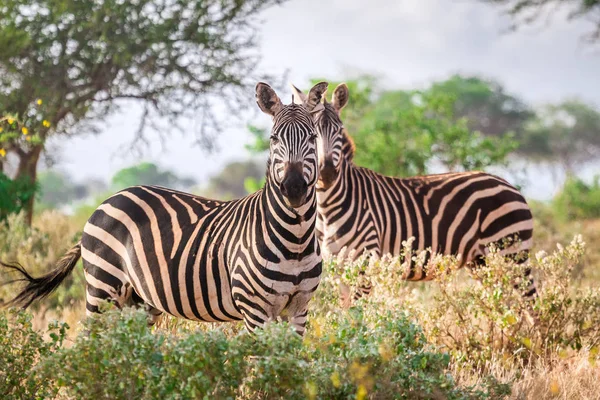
[578,200]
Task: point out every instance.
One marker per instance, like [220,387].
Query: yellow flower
[39,101]
[10,121]
[316,328]
[46,123]
[1,129]
[310,389]
[335,380]
[554,387]
[25,131]
[358,370]
[361,393]
[2,153]
[28,138]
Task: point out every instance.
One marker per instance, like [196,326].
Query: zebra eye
[274,138]
[312,138]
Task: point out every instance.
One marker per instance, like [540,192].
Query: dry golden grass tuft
[575,377]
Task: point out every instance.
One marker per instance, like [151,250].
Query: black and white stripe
[457,214]
[256,258]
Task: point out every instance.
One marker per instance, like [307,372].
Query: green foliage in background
[406,132]
[565,134]
[147,173]
[57,188]
[578,200]
[485,104]
[14,195]
[230,182]
[252,185]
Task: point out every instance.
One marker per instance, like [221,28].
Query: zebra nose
[293,186]
[327,173]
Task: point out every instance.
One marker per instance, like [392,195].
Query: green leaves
[406,133]
[14,194]
[358,353]
[578,200]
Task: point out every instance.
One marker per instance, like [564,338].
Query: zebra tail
[39,288]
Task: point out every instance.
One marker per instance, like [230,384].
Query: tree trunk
[28,169]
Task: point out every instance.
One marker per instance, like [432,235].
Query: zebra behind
[252,259]
[457,214]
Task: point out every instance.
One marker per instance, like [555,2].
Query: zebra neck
[339,189]
[279,216]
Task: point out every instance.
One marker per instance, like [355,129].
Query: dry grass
[574,377]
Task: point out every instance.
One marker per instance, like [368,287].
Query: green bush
[21,350]
[358,354]
[14,195]
[578,200]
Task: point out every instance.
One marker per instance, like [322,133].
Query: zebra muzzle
[293,186]
[328,173]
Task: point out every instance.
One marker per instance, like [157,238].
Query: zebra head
[330,133]
[293,151]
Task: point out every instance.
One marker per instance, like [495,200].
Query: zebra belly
[282,294]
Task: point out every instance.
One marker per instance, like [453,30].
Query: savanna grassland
[455,337]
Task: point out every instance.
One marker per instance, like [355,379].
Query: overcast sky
[408,43]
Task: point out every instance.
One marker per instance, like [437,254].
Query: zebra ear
[313,101]
[267,99]
[299,96]
[340,97]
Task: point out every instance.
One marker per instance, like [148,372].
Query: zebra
[254,259]
[457,214]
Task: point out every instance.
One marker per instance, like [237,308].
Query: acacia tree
[565,134]
[147,173]
[485,104]
[85,58]
[525,12]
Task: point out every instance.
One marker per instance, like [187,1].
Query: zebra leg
[298,321]
[364,285]
[103,286]
[154,314]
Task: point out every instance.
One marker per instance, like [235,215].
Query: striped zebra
[457,214]
[253,259]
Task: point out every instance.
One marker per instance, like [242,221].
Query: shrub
[21,349]
[490,321]
[578,200]
[353,355]
[14,195]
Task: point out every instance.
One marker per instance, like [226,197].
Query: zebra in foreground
[457,214]
[256,258]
